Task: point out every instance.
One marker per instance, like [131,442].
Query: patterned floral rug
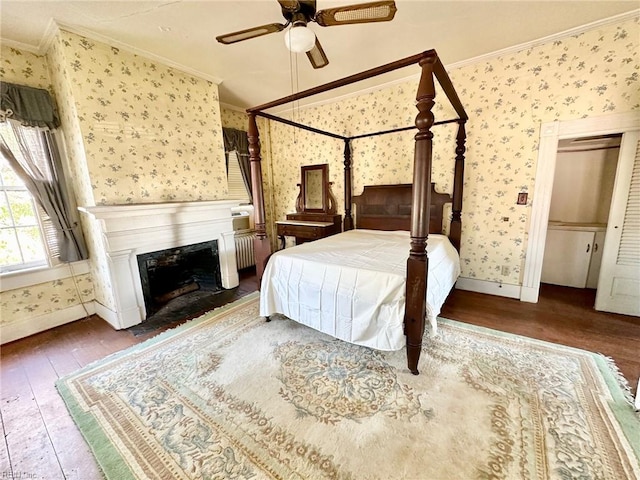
[231,396]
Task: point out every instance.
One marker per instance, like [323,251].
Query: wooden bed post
[261,244]
[418,263]
[455,230]
[348,218]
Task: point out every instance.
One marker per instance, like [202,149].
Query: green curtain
[32,115]
[32,107]
[44,180]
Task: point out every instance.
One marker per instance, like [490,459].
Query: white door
[619,284]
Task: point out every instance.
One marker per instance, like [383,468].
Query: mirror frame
[327,203]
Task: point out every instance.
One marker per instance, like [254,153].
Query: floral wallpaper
[232,118]
[24,68]
[506,98]
[139,131]
[22,304]
[151,133]
[31,302]
[60,74]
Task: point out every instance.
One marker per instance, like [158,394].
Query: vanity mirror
[315,215]
[315,190]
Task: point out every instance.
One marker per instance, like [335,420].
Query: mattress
[352,285]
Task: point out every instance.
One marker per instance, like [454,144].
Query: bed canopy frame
[417,263]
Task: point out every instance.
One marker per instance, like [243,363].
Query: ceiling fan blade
[250,33]
[363,13]
[317,57]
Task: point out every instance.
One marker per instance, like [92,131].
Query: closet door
[596,260]
[567,256]
[619,284]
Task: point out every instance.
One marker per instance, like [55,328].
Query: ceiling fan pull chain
[297,102]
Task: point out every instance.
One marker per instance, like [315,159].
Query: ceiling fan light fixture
[299,38]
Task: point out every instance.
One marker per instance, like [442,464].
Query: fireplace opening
[177,274]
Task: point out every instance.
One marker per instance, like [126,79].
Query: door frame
[550,134]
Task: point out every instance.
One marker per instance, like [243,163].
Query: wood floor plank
[5,462]
[28,443]
[71,450]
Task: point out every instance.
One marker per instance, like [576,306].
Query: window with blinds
[21,232]
[27,236]
[237,188]
[629,251]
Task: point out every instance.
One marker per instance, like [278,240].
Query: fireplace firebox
[168,274]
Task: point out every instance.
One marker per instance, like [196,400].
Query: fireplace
[171,273]
[131,232]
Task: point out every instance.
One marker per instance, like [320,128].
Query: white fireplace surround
[131,230]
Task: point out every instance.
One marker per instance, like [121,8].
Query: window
[237,188]
[22,230]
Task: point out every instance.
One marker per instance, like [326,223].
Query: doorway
[579,211]
[551,135]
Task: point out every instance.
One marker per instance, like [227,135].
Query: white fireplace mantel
[131,230]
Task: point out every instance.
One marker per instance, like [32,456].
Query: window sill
[27,278]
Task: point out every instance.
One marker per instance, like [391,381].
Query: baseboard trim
[491,288]
[107,315]
[529,294]
[16,330]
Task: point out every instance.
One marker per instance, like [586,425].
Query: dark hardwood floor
[41,440]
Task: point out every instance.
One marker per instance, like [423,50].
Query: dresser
[306,227]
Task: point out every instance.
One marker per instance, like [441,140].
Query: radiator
[244,248]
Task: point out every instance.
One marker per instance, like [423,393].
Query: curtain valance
[32,107]
[236,140]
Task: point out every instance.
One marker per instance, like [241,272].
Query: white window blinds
[629,251]
[237,189]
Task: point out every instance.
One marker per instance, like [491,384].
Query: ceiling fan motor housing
[300,10]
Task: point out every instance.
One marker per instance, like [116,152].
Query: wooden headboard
[388,207]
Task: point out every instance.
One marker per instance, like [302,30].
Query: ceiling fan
[298,13]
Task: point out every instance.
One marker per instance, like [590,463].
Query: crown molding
[548,39]
[480,58]
[136,51]
[20,46]
[49,36]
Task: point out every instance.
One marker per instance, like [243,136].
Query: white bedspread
[352,285]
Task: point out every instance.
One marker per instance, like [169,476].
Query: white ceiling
[259,70]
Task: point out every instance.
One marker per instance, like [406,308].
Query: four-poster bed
[410,207]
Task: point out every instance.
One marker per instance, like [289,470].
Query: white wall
[583,185]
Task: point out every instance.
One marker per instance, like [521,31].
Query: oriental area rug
[230,396]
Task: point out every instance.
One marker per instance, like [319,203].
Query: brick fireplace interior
[171,274]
